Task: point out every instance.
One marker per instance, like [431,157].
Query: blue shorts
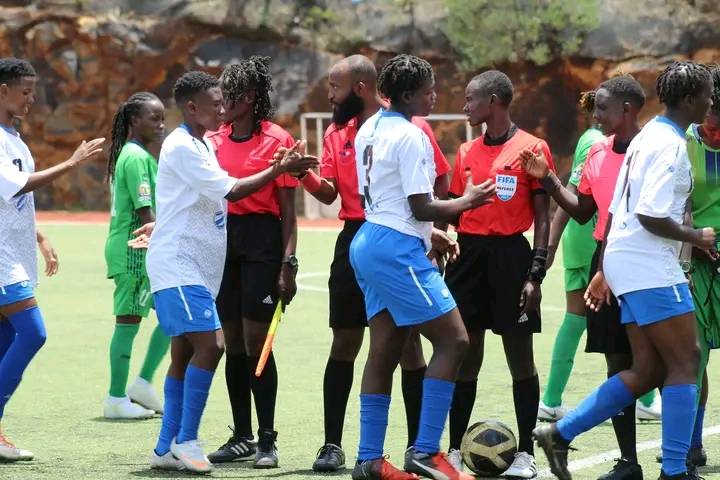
[652,305]
[394,274]
[16,292]
[186,309]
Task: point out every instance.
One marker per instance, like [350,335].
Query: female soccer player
[396,172]
[497,277]
[616,104]
[22,330]
[640,262]
[261,265]
[132,172]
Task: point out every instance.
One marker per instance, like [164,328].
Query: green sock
[563,357]
[648,398]
[158,347]
[120,350]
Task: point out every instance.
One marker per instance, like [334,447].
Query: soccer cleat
[432,465]
[25,455]
[691,474]
[143,393]
[236,449]
[624,470]
[551,414]
[165,462]
[696,457]
[523,466]
[556,449]
[379,469]
[8,451]
[652,413]
[330,458]
[455,459]
[266,455]
[191,455]
[124,409]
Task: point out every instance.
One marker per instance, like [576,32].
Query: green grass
[57,410]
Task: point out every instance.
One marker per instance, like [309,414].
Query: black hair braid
[403,73]
[587,101]
[13,69]
[251,74]
[715,73]
[121,126]
[681,79]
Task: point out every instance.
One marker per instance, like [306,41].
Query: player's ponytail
[121,126]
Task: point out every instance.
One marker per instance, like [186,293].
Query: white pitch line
[611,455]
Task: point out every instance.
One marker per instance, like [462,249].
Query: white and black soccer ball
[488,448]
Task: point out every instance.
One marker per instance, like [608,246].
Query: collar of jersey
[9,130]
[388,113]
[675,126]
[194,140]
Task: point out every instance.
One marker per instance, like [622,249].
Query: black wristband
[537,270]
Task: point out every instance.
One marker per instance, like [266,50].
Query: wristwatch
[686,267]
[292,260]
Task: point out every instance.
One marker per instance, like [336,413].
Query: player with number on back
[22,329]
[401,287]
[354,97]
[497,277]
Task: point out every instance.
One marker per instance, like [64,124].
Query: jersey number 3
[367,163]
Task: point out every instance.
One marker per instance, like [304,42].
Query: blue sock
[374,409]
[7,335]
[30,336]
[197,388]
[436,400]
[172,414]
[696,441]
[679,406]
[605,402]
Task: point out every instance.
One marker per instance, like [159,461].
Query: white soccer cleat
[143,393]
[651,413]
[8,451]
[191,455]
[523,466]
[454,457]
[165,462]
[124,409]
[551,414]
[25,455]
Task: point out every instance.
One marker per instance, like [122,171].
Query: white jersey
[187,246]
[18,257]
[394,160]
[655,181]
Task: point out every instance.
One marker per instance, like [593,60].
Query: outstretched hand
[535,164]
[87,150]
[478,195]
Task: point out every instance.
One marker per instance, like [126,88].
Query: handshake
[294,161]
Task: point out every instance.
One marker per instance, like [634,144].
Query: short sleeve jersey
[394,161]
[655,180]
[599,178]
[577,242]
[248,157]
[338,163]
[132,188]
[705,162]
[18,251]
[511,211]
[188,244]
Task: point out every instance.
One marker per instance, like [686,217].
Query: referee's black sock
[264,389]
[526,396]
[460,411]
[624,426]
[412,390]
[337,383]
[238,386]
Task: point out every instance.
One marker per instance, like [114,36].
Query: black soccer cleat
[691,474]
[267,452]
[330,458]
[556,449]
[236,449]
[696,457]
[624,470]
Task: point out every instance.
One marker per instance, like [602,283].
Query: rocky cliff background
[92,54]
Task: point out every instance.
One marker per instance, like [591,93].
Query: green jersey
[578,245]
[132,188]
[705,196]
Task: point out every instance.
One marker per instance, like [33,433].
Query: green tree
[485,32]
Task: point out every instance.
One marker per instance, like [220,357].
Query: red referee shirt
[512,209]
[338,163]
[245,158]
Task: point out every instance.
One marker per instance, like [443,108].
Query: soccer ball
[488,448]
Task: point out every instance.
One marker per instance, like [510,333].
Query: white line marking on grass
[611,455]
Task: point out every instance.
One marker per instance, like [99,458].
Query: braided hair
[715,72]
[587,101]
[13,69]
[251,74]
[681,79]
[403,73]
[121,126]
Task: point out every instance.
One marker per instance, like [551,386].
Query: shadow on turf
[244,470]
[122,420]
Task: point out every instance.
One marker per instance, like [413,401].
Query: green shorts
[706,296]
[577,278]
[132,295]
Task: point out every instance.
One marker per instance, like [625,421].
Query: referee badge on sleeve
[506,185]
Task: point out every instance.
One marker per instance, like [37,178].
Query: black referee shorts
[486,282]
[252,267]
[347,304]
[605,332]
